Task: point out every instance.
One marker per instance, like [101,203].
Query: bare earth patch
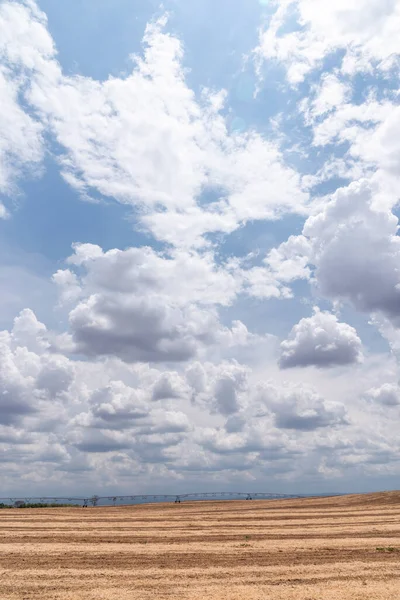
[313,549]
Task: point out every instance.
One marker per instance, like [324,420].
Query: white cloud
[321,341]
[329,94]
[188,276]
[365,29]
[68,286]
[25,46]
[357,261]
[146,140]
[25,41]
[140,330]
[387,395]
[26,381]
[115,407]
[30,333]
[21,142]
[55,376]
[170,385]
[352,123]
[280,267]
[96,423]
[353,250]
[144,306]
[227,388]
[300,408]
[361,136]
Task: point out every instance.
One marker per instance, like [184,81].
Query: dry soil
[313,549]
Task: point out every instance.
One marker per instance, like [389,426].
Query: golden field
[312,549]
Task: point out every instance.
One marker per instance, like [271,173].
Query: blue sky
[199,227]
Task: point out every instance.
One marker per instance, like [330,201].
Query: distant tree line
[20,504]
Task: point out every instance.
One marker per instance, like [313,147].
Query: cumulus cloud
[28,378]
[357,260]
[321,341]
[220,389]
[55,376]
[387,394]
[279,268]
[189,276]
[93,441]
[226,390]
[144,306]
[170,385]
[103,421]
[271,425]
[303,417]
[142,330]
[300,408]
[116,406]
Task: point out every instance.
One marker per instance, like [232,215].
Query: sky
[199,250]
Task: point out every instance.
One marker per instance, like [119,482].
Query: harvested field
[313,549]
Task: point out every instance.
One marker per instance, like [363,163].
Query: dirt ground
[313,549]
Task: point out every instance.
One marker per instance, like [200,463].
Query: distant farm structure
[119,500]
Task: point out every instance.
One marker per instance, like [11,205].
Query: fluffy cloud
[359,260]
[321,341]
[188,276]
[353,249]
[28,378]
[117,406]
[170,385]
[365,29]
[300,408]
[141,330]
[220,389]
[367,130]
[330,94]
[280,267]
[144,306]
[278,427]
[387,395]
[146,140]
[349,123]
[95,423]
